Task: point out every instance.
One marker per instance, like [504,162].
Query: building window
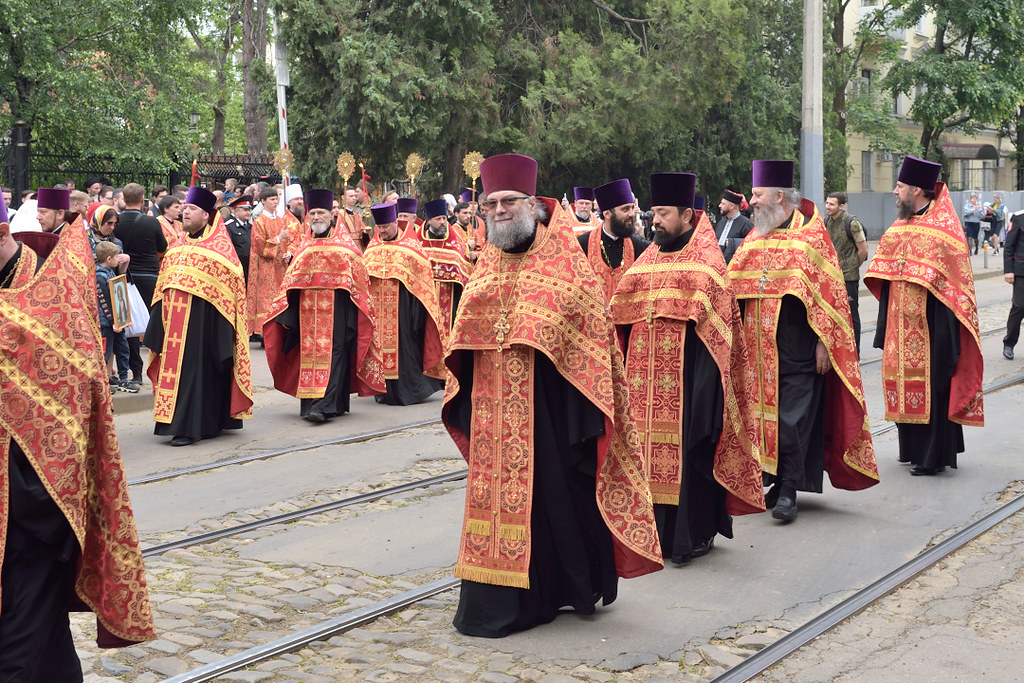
[867,172]
[865,80]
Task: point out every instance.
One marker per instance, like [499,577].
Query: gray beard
[512,233]
[319,227]
[904,210]
[767,218]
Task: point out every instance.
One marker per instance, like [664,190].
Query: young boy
[116,342]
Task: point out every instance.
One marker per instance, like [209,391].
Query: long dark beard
[621,228]
[904,210]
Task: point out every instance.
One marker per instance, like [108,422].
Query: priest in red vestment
[274,239]
[927,322]
[447,251]
[679,325]
[68,540]
[407,208]
[809,406]
[412,332]
[198,331]
[320,337]
[612,247]
[583,219]
[557,505]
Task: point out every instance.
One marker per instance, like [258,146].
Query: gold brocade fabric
[207,268]
[927,254]
[801,261]
[57,407]
[319,268]
[553,305]
[403,261]
[268,262]
[608,276]
[654,301]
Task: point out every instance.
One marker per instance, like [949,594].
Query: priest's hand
[821,361]
[1009,278]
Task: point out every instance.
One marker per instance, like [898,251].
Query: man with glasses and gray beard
[927,322]
[809,399]
[537,404]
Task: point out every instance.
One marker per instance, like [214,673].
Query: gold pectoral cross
[650,314]
[501,328]
[902,262]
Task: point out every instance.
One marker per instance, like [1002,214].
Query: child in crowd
[115,341]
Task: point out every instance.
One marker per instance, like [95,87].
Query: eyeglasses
[506,202]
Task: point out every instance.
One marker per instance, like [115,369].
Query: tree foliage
[101,77]
[612,89]
[970,75]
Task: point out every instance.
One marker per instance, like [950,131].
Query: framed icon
[119,301]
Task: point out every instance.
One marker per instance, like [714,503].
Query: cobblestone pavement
[210,604]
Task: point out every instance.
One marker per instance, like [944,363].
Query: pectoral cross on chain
[902,262]
[650,314]
[763,280]
[501,328]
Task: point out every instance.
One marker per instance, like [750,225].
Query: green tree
[970,75]
[99,77]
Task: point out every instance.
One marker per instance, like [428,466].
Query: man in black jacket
[1013,273]
[240,230]
[733,226]
[144,242]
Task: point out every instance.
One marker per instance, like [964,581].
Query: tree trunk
[217,141]
[452,176]
[254,48]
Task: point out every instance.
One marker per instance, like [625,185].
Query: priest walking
[810,410]
[556,506]
[200,370]
[447,251]
[320,338]
[679,324]
[412,331]
[927,323]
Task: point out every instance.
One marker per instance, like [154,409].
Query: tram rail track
[752,666]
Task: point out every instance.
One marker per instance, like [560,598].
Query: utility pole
[283,81]
[812,131]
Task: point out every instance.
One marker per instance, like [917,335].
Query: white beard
[319,227]
[513,232]
[767,218]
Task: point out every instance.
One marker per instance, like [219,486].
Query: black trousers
[35,635]
[853,296]
[1016,313]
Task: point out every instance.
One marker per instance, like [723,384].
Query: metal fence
[877,210]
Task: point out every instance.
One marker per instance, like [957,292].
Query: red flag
[195,175]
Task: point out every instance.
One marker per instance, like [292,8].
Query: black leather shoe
[785,509]
[703,548]
[919,471]
[183,441]
[1007,352]
[316,416]
[772,497]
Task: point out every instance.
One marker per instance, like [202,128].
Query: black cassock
[412,386]
[801,399]
[934,445]
[335,400]
[572,561]
[203,407]
[39,564]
